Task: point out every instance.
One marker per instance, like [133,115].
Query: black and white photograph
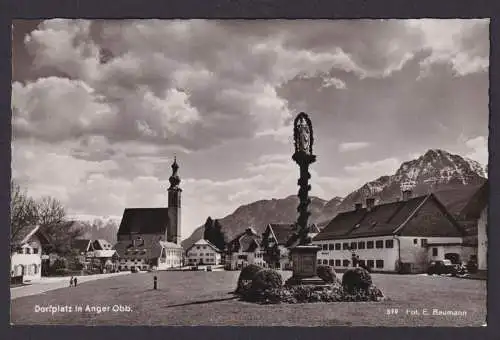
[203,172]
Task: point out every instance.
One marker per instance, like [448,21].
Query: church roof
[144,221]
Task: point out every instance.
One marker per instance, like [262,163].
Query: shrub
[264,281]
[356,279]
[326,273]
[246,276]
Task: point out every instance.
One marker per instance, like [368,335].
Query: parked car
[441,267]
[134,270]
[209,268]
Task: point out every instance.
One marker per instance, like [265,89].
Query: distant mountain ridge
[434,171]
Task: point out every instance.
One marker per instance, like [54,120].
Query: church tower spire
[174,205]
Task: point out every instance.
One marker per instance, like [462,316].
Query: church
[149,238]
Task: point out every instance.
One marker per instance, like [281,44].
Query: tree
[47,212]
[214,234]
[219,237]
[23,210]
[208,229]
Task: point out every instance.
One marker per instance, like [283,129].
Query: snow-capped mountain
[435,170]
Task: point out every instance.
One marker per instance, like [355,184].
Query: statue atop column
[303,156]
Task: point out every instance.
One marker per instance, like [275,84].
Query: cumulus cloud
[463,44]
[479,150]
[374,169]
[353,146]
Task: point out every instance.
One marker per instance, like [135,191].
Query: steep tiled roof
[282,231]
[149,249]
[22,235]
[144,221]
[476,203]
[382,219]
[203,242]
[456,199]
[81,245]
[248,241]
[101,244]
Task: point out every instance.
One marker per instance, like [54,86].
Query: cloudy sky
[101,107]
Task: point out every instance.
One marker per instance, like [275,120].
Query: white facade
[27,260]
[170,258]
[380,253]
[441,252]
[203,252]
[240,259]
[482,240]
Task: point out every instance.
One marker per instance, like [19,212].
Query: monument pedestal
[304,259]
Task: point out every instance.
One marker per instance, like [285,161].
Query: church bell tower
[174,206]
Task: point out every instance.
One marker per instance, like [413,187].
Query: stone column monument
[304,254]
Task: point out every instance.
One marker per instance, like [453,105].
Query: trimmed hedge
[356,279]
[326,273]
[246,276]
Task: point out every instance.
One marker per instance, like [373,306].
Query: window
[423,242]
[361,262]
[345,246]
[415,241]
[325,262]
[434,252]
[361,245]
[28,251]
[369,245]
[204,247]
[337,263]
[389,243]
[331,262]
[197,247]
[325,246]
[319,261]
[370,263]
[345,263]
[331,246]
[35,251]
[337,246]
[380,263]
[379,244]
[353,245]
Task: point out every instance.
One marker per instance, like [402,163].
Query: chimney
[370,203]
[358,206]
[406,195]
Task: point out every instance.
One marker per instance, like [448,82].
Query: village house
[391,237]
[475,214]
[275,243]
[203,252]
[26,254]
[104,256]
[84,248]
[149,238]
[245,249]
